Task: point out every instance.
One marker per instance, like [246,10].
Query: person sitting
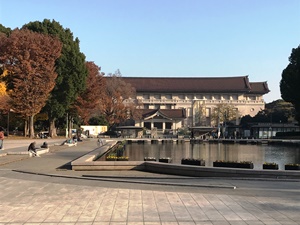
[32,149]
[44,145]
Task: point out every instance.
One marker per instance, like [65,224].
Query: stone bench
[39,151]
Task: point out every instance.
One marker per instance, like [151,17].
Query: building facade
[172,103]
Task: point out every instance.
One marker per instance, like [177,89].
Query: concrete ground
[44,191]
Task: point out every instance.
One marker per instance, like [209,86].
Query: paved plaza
[44,191]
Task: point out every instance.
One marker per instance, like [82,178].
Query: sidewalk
[56,197]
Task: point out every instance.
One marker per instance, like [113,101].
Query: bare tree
[118,102]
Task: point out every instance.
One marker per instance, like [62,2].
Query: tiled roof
[259,87]
[170,113]
[239,84]
[190,84]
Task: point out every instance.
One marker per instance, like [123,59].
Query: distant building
[170,103]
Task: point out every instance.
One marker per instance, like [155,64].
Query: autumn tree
[30,59]
[88,101]
[71,70]
[118,102]
[4,98]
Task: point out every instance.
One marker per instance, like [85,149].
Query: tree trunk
[52,128]
[31,127]
[70,127]
[26,127]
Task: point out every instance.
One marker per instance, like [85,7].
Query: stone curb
[97,178]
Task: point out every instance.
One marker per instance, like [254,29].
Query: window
[168,96]
[157,96]
[198,96]
[181,97]
[146,96]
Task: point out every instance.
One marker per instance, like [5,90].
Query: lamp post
[8,123]
[67,124]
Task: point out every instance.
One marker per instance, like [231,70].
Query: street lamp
[8,123]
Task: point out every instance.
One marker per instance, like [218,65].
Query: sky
[175,38]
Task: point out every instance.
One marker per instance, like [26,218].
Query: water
[258,154]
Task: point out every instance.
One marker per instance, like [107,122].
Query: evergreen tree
[290,82]
[5,30]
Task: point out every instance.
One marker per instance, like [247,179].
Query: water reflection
[258,154]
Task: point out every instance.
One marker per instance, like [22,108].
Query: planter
[165,160]
[292,167]
[234,165]
[150,159]
[120,159]
[117,159]
[193,162]
[270,166]
[110,159]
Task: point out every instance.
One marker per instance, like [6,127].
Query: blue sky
[172,38]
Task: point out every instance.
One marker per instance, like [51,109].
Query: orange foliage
[89,100]
[31,59]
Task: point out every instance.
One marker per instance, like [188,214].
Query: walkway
[34,191]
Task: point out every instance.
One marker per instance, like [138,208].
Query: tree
[290,81]
[98,120]
[4,98]
[224,113]
[30,59]
[71,70]
[5,30]
[118,104]
[277,111]
[281,111]
[88,101]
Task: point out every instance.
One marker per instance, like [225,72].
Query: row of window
[196,96]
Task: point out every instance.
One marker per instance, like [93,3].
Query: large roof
[239,84]
[170,113]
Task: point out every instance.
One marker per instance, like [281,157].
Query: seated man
[32,149]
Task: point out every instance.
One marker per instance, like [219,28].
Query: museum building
[170,103]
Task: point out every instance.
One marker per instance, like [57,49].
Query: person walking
[1,139]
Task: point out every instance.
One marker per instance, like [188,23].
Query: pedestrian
[1,140]
[100,142]
[32,149]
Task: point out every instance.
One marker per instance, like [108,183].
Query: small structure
[161,121]
[130,131]
[93,131]
[201,131]
[269,130]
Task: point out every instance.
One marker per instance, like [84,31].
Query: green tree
[277,111]
[30,59]
[290,81]
[98,120]
[5,30]
[71,70]
[281,111]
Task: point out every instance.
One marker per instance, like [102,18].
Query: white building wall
[246,104]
